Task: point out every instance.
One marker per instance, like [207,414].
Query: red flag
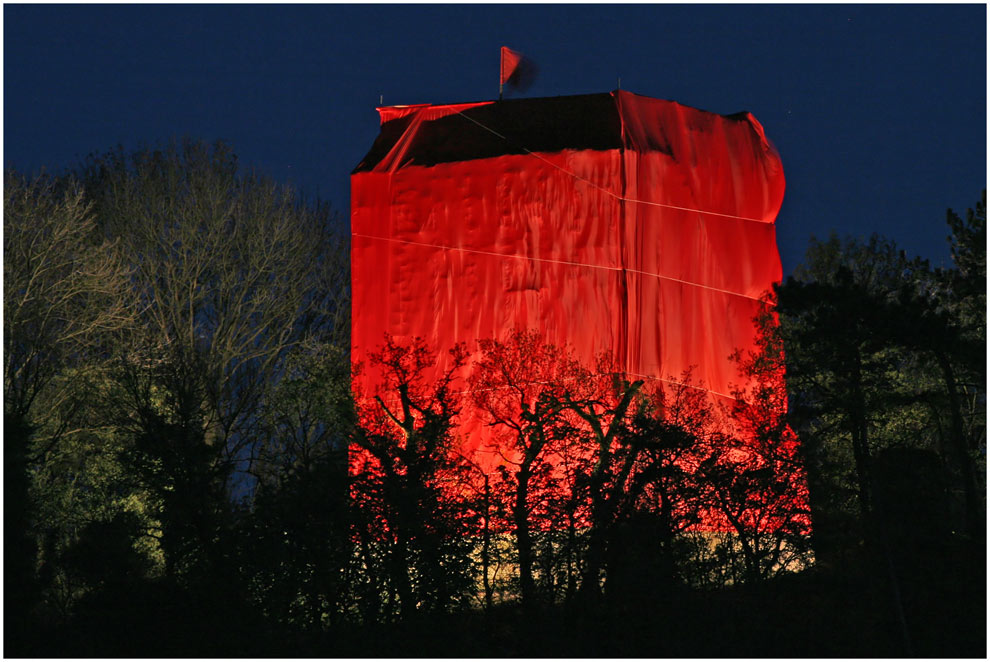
[515,69]
[510,60]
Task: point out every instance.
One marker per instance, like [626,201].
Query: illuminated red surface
[509,60]
[610,222]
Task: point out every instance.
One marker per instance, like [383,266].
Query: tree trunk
[400,576]
[974,520]
[486,548]
[524,542]
[874,522]
[591,582]
[20,551]
[860,440]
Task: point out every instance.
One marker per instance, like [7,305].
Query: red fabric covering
[655,242]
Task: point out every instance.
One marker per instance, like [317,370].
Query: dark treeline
[187,470]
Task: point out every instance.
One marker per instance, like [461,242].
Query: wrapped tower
[606,221]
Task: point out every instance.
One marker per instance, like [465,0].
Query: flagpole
[501,72]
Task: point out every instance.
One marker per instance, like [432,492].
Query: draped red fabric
[608,222]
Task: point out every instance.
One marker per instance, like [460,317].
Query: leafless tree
[63,299]
[522,383]
[230,274]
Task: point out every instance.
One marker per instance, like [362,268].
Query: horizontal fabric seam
[553,261]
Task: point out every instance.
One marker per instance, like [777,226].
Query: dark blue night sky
[879,112]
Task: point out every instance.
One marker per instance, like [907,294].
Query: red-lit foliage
[755,482]
[412,521]
[604,409]
[677,428]
[621,464]
[523,384]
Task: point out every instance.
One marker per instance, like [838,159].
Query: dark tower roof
[462,132]
[549,124]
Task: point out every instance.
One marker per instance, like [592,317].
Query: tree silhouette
[754,476]
[408,479]
[298,559]
[522,384]
[605,406]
